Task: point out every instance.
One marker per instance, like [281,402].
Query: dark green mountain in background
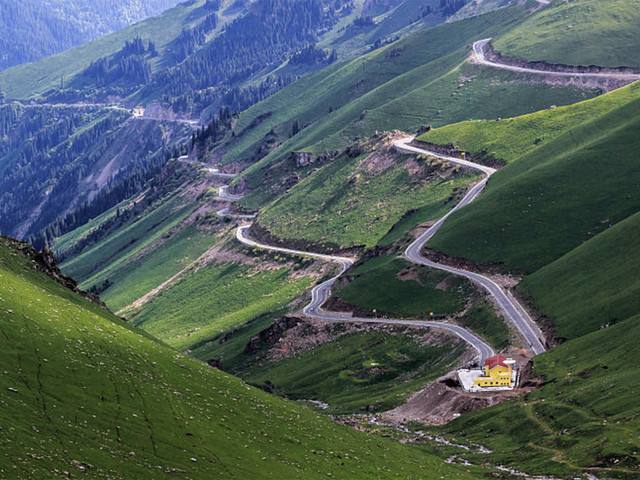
[32,29]
[67,155]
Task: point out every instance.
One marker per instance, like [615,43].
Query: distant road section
[479,57]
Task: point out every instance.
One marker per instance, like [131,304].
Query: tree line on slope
[32,29]
[265,36]
[155,177]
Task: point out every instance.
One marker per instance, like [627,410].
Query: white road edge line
[512,309]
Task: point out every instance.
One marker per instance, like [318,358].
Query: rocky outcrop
[45,262]
[270,336]
[304,159]
[483,158]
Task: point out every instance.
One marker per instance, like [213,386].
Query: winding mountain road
[513,311]
[511,308]
[321,293]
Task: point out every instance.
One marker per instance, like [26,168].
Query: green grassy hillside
[396,288]
[208,296]
[188,29]
[139,275]
[510,138]
[214,299]
[421,79]
[389,286]
[72,242]
[583,420]
[389,19]
[115,252]
[560,208]
[580,32]
[557,195]
[35,78]
[356,201]
[85,395]
[373,370]
[594,285]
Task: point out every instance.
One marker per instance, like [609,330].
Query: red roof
[495,361]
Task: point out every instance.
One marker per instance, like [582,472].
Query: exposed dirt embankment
[290,336]
[492,55]
[482,158]
[605,83]
[262,235]
[506,280]
[545,322]
[489,269]
[444,400]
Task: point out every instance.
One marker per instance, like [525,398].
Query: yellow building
[497,372]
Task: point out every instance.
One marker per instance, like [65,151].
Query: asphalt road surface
[321,293]
[511,308]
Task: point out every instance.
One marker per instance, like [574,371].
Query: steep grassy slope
[594,285]
[82,392]
[386,284]
[230,349]
[337,85]
[478,7]
[195,34]
[585,418]
[418,80]
[556,196]
[510,138]
[581,32]
[95,265]
[389,19]
[392,286]
[73,241]
[31,29]
[142,274]
[356,201]
[373,371]
[214,299]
